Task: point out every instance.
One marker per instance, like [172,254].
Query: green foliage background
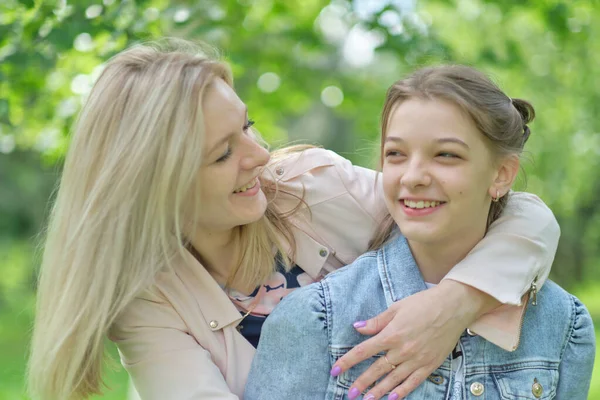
[546,51]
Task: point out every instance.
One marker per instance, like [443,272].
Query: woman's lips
[251,191]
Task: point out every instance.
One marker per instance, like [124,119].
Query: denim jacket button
[279,171]
[537,389]
[477,389]
[213,324]
[470,332]
[323,252]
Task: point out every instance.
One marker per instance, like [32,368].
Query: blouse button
[537,389]
[477,389]
[213,324]
[279,171]
[323,252]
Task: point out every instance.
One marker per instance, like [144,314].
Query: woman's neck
[217,252]
[436,259]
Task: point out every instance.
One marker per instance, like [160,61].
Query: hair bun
[525,109]
[527,113]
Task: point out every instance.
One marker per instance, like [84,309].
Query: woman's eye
[248,125]
[225,156]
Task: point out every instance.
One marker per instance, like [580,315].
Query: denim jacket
[312,327]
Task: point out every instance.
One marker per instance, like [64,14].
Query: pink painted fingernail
[359,324]
[335,371]
[370,396]
[353,393]
[393,396]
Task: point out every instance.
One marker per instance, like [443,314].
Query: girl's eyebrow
[453,140]
[441,140]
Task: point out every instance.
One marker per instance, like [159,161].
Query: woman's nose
[256,155]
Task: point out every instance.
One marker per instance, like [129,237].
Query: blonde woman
[173,226]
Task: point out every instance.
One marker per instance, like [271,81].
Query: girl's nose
[416,174]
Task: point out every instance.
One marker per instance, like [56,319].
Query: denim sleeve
[575,371]
[292,358]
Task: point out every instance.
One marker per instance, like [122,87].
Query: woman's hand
[416,334]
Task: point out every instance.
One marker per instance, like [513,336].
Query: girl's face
[438,172]
[230,192]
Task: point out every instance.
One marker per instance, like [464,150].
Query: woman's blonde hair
[501,120]
[128,186]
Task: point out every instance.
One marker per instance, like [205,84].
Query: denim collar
[398,270]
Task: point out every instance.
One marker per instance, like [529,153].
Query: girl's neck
[436,259]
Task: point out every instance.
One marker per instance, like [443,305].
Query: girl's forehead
[426,116]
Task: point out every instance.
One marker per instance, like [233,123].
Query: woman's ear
[505,176]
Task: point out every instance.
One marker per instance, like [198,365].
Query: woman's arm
[292,358]
[164,361]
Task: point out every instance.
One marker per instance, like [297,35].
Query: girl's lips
[250,192]
[419,212]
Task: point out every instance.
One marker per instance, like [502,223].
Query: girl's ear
[505,176]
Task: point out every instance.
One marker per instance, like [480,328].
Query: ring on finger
[388,361]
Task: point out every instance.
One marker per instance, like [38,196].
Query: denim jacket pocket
[347,378]
[528,380]
[434,387]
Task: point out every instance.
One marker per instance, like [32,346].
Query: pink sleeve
[518,249]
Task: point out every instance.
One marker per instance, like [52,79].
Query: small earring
[495,199]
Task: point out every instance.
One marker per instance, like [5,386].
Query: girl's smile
[420,208]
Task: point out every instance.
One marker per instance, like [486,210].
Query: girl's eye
[225,156]
[393,153]
[447,155]
[248,125]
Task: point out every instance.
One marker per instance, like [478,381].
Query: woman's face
[230,192]
[438,173]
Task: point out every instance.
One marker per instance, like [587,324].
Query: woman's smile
[248,190]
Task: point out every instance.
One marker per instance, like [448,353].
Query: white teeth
[421,204]
[244,188]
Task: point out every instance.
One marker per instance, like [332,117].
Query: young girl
[173,234]
[451,141]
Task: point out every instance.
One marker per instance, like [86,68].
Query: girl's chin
[418,232]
